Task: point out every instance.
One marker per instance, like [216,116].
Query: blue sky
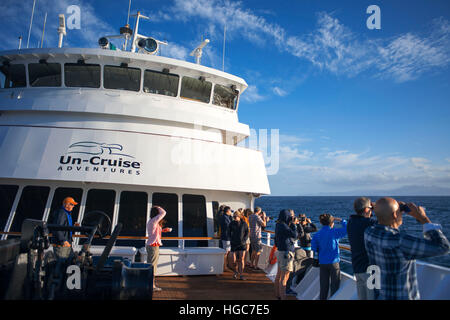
[356,109]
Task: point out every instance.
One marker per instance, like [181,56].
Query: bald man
[394,252]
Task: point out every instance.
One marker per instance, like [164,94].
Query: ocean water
[436,208]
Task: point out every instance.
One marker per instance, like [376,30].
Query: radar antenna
[197,52]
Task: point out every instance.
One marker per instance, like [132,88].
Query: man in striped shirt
[394,252]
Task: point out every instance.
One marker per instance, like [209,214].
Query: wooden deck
[216,287]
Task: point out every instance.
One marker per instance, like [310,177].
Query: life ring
[272,256]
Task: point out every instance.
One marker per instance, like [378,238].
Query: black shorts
[241,247]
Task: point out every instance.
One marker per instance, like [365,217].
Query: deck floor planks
[216,287]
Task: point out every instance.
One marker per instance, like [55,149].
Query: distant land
[403,191]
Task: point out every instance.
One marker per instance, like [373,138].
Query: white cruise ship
[123,130]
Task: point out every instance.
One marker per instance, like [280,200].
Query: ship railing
[183,239]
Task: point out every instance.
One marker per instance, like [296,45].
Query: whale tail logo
[95,148]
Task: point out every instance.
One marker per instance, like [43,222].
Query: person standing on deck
[154,230]
[257,221]
[304,229]
[357,224]
[225,221]
[63,217]
[238,232]
[285,235]
[325,243]
[394,252]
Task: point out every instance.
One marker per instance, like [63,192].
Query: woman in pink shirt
[154,230]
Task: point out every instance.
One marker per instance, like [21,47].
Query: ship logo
[96,148]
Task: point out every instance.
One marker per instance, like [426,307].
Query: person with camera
[304,229]
[357,224]
[325,244]
[257,221]
[395,252]
[285,235]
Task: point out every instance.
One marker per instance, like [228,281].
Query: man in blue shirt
[63,217]
[225,221]
[325,244]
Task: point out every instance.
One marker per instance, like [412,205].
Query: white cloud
[252,95]
[331,46]
[175,51]
[279,92]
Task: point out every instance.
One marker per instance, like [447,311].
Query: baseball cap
[70,200]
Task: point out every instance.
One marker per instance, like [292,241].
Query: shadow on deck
[216,287]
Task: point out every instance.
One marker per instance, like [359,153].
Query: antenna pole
[128,17]
[43,30]
[223,54]
[31,23]
[20,42]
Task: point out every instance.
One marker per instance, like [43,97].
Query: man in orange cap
[63,217]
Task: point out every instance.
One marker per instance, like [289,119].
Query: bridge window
[44,74]
[194,219]
[31,206]
[12,76]
[124,78]
[100,200]
[225,97]
[161,83]
[7,196]
[133,216]
[57,201]
[196,89]
[82,75]
[169,202]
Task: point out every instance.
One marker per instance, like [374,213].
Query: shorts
[285,260]
[153,257]
[241,247]
[226,245]
[256,245]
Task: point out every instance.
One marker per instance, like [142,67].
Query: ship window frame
[171,215]
[110,213]
[31,71]
[196,219]
[11,83]
[7,200]
[177,90]
[57,200]
[236,99]
[139,78]
[124,231]
[192,97]
[14,227]
[71,64]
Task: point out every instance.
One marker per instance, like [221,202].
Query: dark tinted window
[161,83]
[121,78]
[82,75]
[196,89]
[31,206]
[12,76]
[225,97]
[102,200]
[59,196]
[44,74]
[133,216]
[215,206]
[194,219]
[169,202]
[7,196]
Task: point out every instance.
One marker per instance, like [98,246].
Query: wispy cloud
[331,46]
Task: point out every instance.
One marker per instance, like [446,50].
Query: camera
[404,208]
